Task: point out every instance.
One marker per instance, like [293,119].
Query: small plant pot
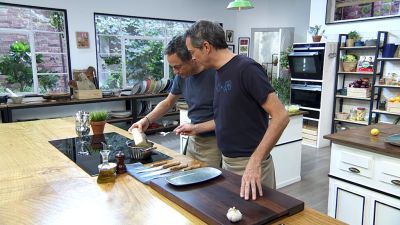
[349,66]
[98,127]
[358,43]
[316,38]
[350,43]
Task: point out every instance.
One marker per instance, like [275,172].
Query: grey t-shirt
[198,91]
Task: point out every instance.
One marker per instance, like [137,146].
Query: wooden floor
[313,187]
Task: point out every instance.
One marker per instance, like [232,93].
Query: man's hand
[251,180]
[142,125]
[186,129]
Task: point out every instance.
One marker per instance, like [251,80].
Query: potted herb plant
[352,37]
[316,32]
[98,121]
[349,62]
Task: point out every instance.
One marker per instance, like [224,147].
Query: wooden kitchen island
[39,185]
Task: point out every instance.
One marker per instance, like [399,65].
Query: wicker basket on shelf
[349,66]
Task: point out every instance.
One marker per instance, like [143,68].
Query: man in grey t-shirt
[196,85]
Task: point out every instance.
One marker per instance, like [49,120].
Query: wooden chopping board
[211,200]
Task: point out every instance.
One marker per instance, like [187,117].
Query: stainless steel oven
[306,94]
[306,61]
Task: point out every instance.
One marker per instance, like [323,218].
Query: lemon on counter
[374,131]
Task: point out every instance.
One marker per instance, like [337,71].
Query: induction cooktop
[85,151]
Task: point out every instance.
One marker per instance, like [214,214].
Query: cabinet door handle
[396,182]
[354,170]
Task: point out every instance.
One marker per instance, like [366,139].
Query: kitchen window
[131,49]
[34,56]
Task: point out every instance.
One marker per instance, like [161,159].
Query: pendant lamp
[240,4]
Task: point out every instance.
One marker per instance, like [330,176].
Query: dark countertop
[362,138]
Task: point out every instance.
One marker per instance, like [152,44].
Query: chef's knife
[171,169]
[168,165]
[149,178]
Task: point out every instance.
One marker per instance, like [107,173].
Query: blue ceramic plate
[393,139]
[193,176]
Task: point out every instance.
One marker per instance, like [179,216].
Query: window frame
[31,40]
[165,39]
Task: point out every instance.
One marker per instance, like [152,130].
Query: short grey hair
[211,32]
[178,46]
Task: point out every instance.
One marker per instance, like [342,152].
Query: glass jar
[361,112]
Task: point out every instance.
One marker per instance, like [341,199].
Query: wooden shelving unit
[340,100]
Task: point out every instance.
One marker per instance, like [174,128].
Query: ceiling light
[240,4]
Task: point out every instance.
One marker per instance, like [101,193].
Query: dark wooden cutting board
[211,200]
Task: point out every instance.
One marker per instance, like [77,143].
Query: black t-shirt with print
[241,87]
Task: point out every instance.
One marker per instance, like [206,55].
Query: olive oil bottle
[107,171]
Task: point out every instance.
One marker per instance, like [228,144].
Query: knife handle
[192,167]
[176,168]
[168,165]
[158,164]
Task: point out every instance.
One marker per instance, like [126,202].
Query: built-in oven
[306,94]
[307,61]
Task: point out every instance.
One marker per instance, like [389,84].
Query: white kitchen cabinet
[364,187]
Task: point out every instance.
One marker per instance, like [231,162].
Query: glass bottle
[107,171]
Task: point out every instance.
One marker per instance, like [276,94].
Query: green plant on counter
[111,60]
[349,58]
[284,60]
[98,116]
[282,88]
[316,30]
[354,35]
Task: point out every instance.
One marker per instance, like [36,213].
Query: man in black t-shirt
[196,85]
[243,100]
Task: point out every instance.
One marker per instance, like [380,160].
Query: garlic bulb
[234,215]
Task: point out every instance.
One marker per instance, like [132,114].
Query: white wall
[275,13]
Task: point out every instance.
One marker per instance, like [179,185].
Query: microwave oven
[306,94]
[306,62]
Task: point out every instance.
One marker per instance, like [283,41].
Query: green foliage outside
[114,81]
[98,116]
[144,57]
[284,60]
[282,88]
[17,66]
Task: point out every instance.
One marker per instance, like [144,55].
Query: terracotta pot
[316,38]
[350,43]
[98,126]
[349,66]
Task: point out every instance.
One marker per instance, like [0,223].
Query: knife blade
[168,165]
[159,172]
[148,179]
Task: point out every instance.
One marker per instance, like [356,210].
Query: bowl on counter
[16,99]
[342,115]
[140,152]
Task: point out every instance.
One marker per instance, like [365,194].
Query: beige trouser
[204,149]
[238,165]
